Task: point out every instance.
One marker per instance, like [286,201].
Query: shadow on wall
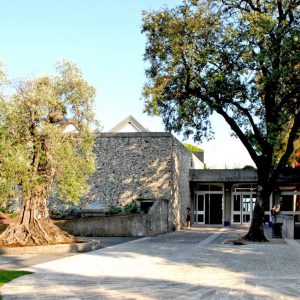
[154,182]
[140,167]
[130,169]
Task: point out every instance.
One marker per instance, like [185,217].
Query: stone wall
[141,166]
[183,161]
[131,166]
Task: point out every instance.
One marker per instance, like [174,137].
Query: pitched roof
[129,124]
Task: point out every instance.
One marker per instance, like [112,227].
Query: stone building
[150,168]
[147,167]
[163,177]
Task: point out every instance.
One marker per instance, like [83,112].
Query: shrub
[193,148]
[66,212]
[130,208]
[114,210]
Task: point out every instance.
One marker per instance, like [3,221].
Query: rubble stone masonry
[148,166]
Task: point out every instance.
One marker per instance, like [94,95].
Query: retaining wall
[153,223]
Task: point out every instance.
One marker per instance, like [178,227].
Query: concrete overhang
[223,175]
[288,176]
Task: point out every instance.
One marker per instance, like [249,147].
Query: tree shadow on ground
[47,286]
[174,265]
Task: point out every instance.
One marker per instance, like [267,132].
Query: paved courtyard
[199,263]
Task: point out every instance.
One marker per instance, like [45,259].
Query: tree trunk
[256,230]
[33,226]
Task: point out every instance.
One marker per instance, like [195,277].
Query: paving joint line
[210,238]
[292,242]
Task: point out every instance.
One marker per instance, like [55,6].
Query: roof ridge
[129,120]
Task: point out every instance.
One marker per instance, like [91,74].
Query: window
[145,205]
[209,187]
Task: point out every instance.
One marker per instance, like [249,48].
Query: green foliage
[13,215]
[38,155]
[7,276]
[239,59]
[114,210]
[193,148]
[249,167]
[129,208]
[9,210]
[72,211]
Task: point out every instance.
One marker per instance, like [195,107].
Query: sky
[104,38]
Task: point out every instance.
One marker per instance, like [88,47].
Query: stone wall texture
[183,161]
[141,166]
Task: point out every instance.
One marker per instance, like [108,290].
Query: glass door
[236,208]
[199,208]
[247,209]
[208,208]
[242,207]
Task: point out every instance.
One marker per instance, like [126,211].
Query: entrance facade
[208,205]
[224,196]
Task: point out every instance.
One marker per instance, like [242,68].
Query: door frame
[202,212]
[241,212]
[199,212]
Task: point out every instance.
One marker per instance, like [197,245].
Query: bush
[66,212]
[114,210]
[193,148]
[130,208]
[11,213]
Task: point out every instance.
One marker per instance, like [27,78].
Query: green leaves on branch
[237,58]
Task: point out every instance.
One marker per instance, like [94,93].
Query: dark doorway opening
[213,209]
[145,205]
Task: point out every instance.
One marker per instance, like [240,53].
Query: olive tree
[38,156]
[237,58]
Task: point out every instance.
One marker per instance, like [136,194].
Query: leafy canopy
[37,153]
[238,58]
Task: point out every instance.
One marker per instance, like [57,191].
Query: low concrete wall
[288,225]
[154,223]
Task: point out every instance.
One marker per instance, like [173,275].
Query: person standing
[274,212]
[188,217]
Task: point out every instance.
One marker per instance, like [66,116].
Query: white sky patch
[227,152]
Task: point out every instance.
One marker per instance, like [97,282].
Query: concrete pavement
[18,262]
[199,263]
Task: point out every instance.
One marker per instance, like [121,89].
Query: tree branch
[256,131]
[280,11]
[287,98]
[253,7]
[234,126]
[289,148]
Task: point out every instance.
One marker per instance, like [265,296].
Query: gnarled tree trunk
[256,230]
[33,226]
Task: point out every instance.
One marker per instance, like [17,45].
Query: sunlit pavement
[198,263]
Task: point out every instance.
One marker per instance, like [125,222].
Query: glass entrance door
[208,208]
[242,207]
[199,206]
